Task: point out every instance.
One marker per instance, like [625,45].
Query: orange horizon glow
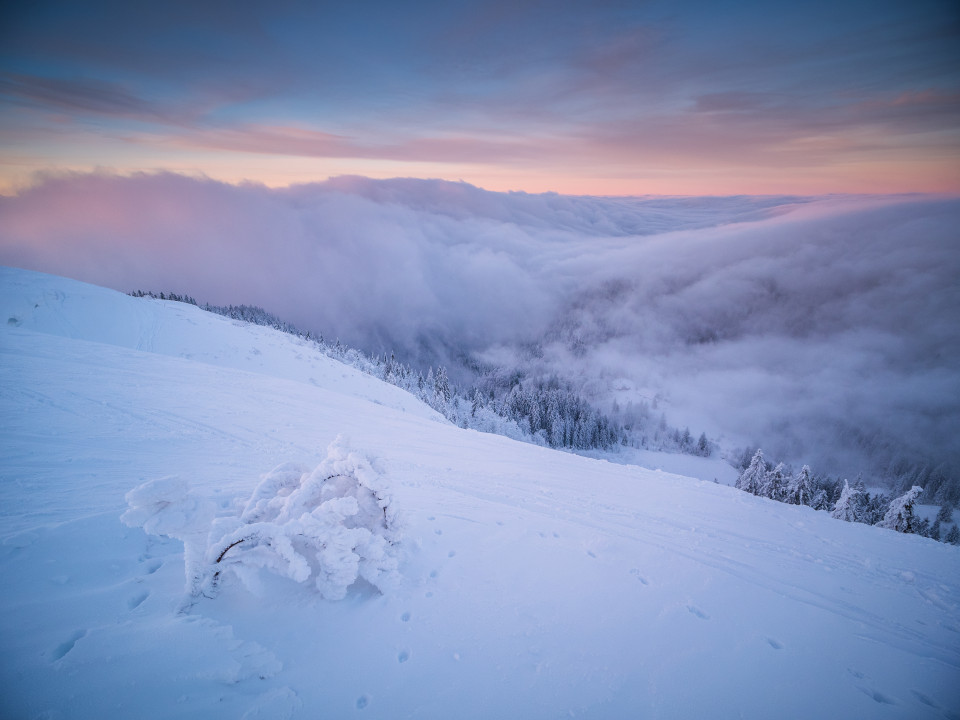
[866,178]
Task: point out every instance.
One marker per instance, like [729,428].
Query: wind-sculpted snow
[169,508]
[334,525]
[769,321]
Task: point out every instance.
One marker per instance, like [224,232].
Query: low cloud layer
[816,327]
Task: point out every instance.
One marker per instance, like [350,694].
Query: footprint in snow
[152,566]
[452,553]
[137,600]
[67,645]
[403,656]
[775,644]
[641,578]
[865,686]
[876,695]
[929,702]
[591,553]
[362,702]
[405,617]
[698,612]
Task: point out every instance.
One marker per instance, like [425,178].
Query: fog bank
[819,328]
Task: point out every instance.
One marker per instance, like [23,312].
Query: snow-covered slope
[532,583]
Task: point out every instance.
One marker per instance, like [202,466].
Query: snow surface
[531,583]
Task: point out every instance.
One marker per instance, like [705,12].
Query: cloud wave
[818,327]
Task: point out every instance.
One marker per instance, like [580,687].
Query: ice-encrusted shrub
[332,525]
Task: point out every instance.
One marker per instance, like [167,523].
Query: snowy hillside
[529,583]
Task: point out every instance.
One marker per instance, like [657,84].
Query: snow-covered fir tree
[774,484]
[441,388]
[900,516]
[800,491]
[703,446]
[945,514]
[848,505]
[876,508]
[752,479]
[820,500]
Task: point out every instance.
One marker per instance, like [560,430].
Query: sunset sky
[614,98]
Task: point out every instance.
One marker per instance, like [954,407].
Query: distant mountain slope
[70,309]
[531,584]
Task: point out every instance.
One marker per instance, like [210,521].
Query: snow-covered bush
[332,525]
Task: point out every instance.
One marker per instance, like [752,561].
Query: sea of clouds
[826,330]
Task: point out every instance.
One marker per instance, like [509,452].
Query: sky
[600,98]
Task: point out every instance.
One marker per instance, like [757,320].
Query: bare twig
[227,548]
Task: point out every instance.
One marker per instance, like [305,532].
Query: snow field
[531,583]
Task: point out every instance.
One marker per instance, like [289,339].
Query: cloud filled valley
[823,329]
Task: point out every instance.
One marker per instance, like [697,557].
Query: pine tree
[820,500]
[876,509]
[900,515]
[703,446]
[953,537]
[441,388]
[847,504]
[945,514]
[556,423]
[935,530]
[389,367]
[752,479]
[801,488]
[774,485]
[861,509]
[476,404]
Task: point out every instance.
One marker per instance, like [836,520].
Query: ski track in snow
[533,583]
